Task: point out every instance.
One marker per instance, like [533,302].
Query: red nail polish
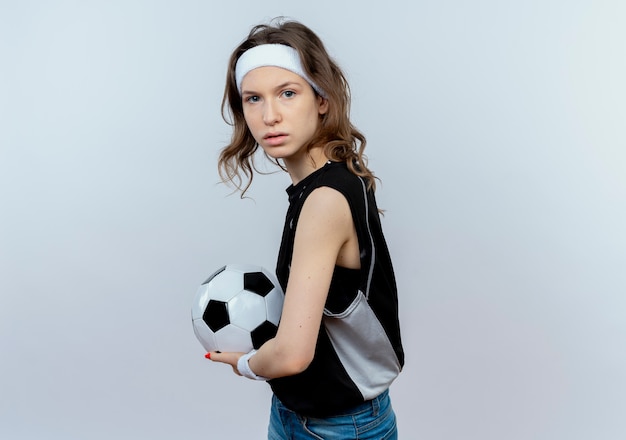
[208,355]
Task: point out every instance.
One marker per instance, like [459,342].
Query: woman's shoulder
[334,175]
[337,175]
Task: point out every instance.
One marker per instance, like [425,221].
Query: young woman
[338,344]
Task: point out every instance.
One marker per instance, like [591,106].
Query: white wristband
[244,368]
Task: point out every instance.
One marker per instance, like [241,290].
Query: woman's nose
[270,114]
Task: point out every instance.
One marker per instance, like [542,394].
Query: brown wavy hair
[340,140]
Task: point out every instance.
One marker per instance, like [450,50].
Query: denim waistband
[373,405]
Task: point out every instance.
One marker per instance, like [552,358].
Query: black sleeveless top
[359,350]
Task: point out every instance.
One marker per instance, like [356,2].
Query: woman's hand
[230,358]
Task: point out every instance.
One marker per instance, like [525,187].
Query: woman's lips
[274,139]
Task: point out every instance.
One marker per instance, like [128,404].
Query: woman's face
[281,110]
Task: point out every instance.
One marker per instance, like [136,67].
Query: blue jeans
[371,420]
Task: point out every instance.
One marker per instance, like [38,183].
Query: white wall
[497,129]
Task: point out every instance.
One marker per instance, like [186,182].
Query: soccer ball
[237,309]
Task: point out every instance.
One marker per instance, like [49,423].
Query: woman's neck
[301,167]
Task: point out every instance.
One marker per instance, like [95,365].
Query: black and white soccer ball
[237,308]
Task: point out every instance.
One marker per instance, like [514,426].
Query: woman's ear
[322,105]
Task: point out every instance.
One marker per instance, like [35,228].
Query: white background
[497,128]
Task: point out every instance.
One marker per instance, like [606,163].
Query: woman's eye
[252,99]
[289,93]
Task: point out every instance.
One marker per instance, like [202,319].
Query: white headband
[276,55]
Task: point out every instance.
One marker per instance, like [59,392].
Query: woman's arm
[324,228]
